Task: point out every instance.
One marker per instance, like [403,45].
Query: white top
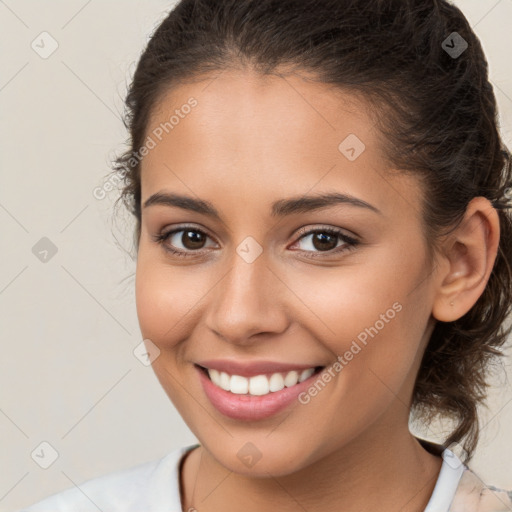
[155,487]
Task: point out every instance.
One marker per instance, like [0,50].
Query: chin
[260,460]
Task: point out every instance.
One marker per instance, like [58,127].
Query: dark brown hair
[436,110]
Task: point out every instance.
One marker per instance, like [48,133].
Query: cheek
[343,302]
[167,309]
[371,319]
[165,300]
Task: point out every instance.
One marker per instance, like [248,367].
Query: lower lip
[248,407]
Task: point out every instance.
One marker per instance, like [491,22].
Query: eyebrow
[280,208]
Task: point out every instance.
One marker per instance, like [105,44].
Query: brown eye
[324,242]
[192,239]
[183,242]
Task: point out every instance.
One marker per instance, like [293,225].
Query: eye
[190,238]
[325,240]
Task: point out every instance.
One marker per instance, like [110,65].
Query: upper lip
[252,368]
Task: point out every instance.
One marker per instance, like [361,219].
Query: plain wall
[69,326]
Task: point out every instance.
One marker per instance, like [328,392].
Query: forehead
[269,107]
[263,135]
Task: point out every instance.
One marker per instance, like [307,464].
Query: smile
[259,385]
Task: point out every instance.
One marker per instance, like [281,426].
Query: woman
[323,249]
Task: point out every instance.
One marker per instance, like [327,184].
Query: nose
[247,301]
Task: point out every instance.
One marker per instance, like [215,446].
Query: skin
[251,141]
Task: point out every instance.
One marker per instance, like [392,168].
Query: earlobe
[469,255]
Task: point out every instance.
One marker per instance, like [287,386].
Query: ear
[467,261]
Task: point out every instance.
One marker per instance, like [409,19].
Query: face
[268,278]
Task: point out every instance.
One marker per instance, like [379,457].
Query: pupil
[192,239]
[324,238]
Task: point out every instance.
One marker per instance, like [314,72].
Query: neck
[365,474]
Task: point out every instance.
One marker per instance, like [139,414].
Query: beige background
[68,375]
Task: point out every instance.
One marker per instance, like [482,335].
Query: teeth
[239,385]
[259,384]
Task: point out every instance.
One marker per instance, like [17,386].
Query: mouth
[258,397]
[258,385]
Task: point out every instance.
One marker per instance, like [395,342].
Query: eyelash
[351,243]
